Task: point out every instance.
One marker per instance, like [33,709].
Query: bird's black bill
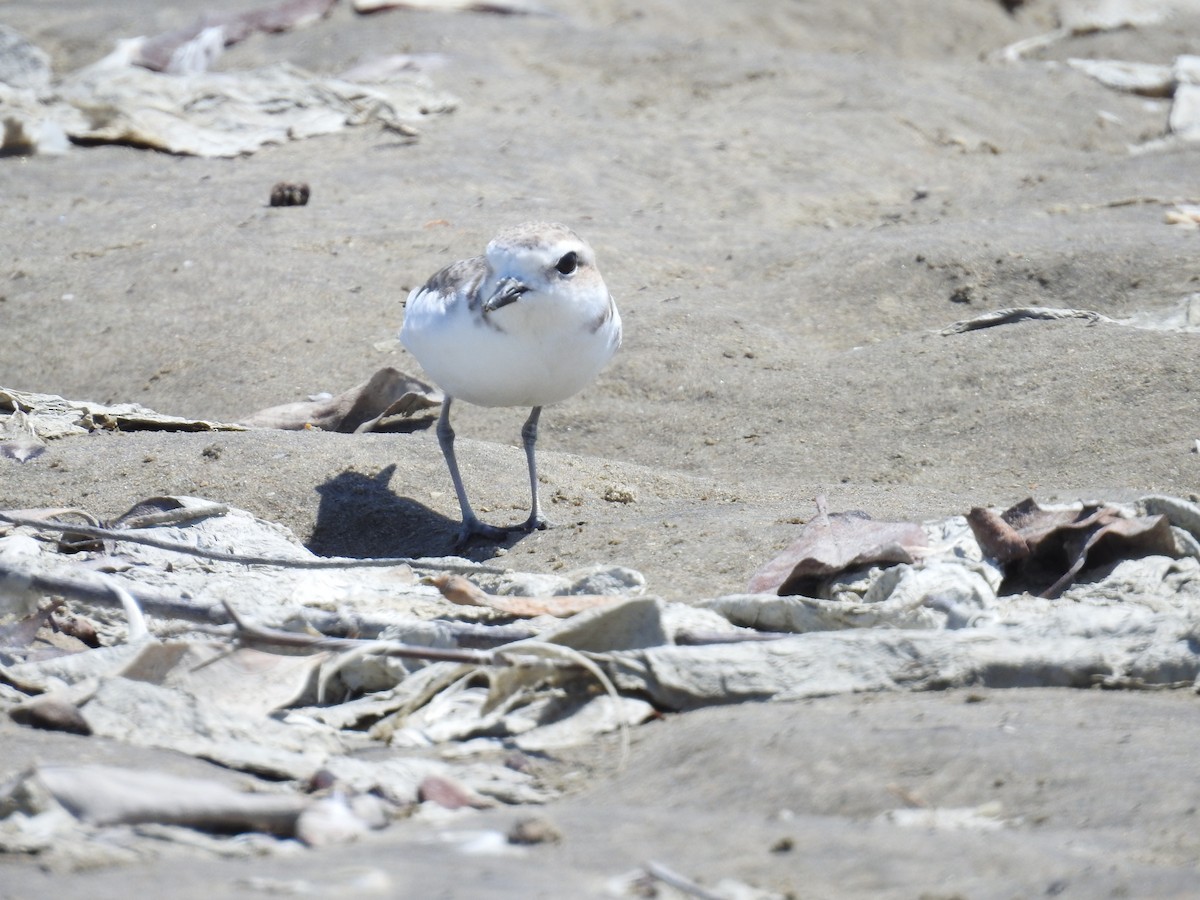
[508,291]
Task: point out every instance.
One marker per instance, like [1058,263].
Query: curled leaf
[835,543]
[463,592]
[1045,549]
[389,392]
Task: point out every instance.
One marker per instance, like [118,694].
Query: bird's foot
[473,528]
[535,522]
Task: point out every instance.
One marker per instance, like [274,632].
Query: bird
[527,324]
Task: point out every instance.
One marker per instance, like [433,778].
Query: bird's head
[537,258]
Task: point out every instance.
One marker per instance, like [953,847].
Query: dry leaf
[1000,540]
[1059,542]
[450,793]
[387,393]
[831,544]
[463,592]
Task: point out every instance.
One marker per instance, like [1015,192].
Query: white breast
[537,351]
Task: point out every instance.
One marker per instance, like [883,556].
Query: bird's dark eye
[568,263]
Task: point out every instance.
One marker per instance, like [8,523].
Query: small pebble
[783,845]
[534,830]
[288,194]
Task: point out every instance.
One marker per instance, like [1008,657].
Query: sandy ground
[788,201]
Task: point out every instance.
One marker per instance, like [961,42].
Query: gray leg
[471,526]
[536,520]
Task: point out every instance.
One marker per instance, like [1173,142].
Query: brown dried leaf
[450,793]
[387,393]
[463,592]
[996,537]
[1061,542]
[1115,539]
[832,544]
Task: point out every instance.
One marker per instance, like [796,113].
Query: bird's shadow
[361,517]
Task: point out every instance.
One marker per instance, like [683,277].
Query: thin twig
[251,635]
[1022,313]
[677,881]
[333,562]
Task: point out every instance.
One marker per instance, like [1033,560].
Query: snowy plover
[529,323]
